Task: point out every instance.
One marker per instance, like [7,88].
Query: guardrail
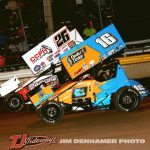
[137,47]
[138,42]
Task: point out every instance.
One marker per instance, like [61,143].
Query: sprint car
[110,89]
[109,86]
[40,60]
[14,95]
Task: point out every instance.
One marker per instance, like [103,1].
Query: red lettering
[40,52]
[36,56]
[78,71]
[45,51]
[32,59]
[15,141]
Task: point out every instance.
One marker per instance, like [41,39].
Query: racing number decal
[61,38]
[106,40]
[140,88]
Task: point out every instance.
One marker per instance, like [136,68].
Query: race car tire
[14,102]
[52,112]
[126,99]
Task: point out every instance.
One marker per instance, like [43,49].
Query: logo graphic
[41,94]
[37,68]
[53,81]
[20,141]
[71,44]
[50,58]
[57,55]
[77,56]
[42,52]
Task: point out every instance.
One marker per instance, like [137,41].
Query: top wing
[92,51]
[47,52]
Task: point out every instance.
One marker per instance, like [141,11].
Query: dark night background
[133,18]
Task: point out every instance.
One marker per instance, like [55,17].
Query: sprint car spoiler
[40,58]
[92,51]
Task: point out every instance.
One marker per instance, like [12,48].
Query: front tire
[126,99]
[52,112]
[14,102]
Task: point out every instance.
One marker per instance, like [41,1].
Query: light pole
[48,16]
[100,14]
[23,27]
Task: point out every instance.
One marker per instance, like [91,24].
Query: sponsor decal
[49,57]
[78,71]
[20,141]
[42,52]
[43,64]
[37,68]
[41,94]
[64,47]
[57,52]
[91,63]
[85,66]
[118,48]
[71,44]
[140,88]
[111,52]
[104,57]
[53,81]
[77,56]
[65,50]
[57,55]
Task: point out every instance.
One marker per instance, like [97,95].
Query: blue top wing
[107,42]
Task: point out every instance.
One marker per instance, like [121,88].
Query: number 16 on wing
[108,41]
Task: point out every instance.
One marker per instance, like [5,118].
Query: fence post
[48,16]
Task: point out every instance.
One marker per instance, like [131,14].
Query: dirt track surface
[88,125]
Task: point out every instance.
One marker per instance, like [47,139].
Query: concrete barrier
[133,70]
[138,70]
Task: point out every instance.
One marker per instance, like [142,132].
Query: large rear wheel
[52,112]
[126,99]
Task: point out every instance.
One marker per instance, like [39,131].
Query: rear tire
[52,112]
[14,102]
[126,99]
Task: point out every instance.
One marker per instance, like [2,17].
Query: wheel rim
[128,100]
[14,103]
[51,112]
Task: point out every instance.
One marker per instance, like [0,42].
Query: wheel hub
[14,102]
[127,100]
[51,112]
